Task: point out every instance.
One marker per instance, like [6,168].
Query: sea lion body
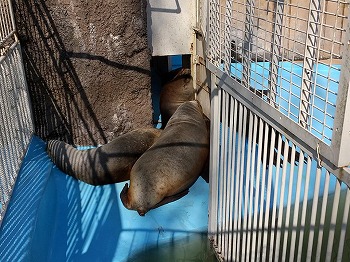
[174,93]
[172,164]
[107,164]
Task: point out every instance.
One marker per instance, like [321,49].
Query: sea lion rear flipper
[172,198]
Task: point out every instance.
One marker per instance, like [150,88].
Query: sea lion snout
[141,213]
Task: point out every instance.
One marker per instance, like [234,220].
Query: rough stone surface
[88,67]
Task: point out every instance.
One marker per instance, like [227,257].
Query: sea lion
[175,92]
[172,164]
[107,164]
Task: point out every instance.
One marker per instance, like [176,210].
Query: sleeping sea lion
[107,164]
[175,92]
[172,164]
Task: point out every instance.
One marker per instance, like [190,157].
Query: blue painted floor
[53,217]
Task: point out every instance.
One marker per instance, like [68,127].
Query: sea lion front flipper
[172,198]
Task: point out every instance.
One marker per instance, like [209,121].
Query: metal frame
[219,59]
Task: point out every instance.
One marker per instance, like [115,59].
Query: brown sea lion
[107,164]
[172,164]
[175,92]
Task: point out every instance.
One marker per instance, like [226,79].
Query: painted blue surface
[53,217]
[289,81]
[176,61]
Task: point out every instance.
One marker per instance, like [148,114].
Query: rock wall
[88,67]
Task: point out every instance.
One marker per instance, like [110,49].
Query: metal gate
[16,126]
[280,128]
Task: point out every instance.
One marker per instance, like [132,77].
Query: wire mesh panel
[289,53]
[16,126]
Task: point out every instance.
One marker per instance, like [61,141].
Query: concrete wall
[88,67]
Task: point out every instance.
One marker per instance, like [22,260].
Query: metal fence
[16,126]
[280,129]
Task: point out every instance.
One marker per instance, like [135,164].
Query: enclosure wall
[279,129]
[88,67]
[16,123]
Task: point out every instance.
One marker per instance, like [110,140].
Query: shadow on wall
[72,61]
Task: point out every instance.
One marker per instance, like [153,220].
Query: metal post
[276,53]
[214,154]
[310,56]
[248,42]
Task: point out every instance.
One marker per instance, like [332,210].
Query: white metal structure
[170,26]
[16,126]
[280,128]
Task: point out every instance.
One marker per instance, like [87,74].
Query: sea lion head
[127,201]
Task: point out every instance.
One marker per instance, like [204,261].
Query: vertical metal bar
[214,154]
[289,200]
[303,212]
[275,195]
[345,222]
[257,191]
[276,52]
[322,217]
[247,185]
[238,181]
[235,166]
[241,156]
[261,232]
[228,21]
[224,174]
[253,174]
[310,53]
[281,198]
[231,164]
[247,43]
[341,127]
[314,213]
[214,32]
[221,173]
[266,249]
[333,221]
[229,178]
[296,206]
